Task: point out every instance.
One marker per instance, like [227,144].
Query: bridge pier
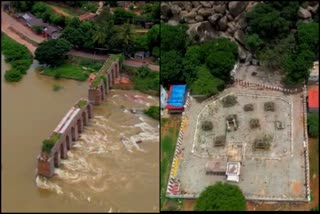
[63,150]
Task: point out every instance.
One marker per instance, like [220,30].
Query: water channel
[101,174]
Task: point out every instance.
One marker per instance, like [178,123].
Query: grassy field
[72,68]
[18,56]
[169,136]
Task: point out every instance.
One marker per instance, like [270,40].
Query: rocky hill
[212,19]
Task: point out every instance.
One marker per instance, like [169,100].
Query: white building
[163,98]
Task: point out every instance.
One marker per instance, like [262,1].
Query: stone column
[63,150]
[89,109]
[102,91]
[84,117]
[81,123]
[45,166]
[107,84]
[110,79]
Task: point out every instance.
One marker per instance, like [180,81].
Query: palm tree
[128,37]
[99,37]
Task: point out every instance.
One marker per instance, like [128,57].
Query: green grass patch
[56,87]
[67,70]
[18,56]
[93,65]
[313,124]
[146,80]
[81,104]
[48,144]
[168,143]
[314,156]
[153,112]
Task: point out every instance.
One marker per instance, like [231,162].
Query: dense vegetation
[221,197]
[113,32]
[313,124]
[18,56]
[204,67]
[52,52]
[281,41]
[146,80]
[153,112]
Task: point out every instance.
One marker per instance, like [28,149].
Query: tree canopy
[52,52]
[313,124]
[221,197]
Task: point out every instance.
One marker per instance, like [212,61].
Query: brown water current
[102,173]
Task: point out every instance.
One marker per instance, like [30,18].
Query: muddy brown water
[102,173]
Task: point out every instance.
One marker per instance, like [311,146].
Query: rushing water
[102,173]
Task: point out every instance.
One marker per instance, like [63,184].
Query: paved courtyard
[277,173]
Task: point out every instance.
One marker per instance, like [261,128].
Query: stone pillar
[76,132]
[63,150]
[94,96]
[68,141]
[102,91]
[80,124]
[89,111]
[45,166]
[106,85]
[110,79]
[84,117]
[56,158]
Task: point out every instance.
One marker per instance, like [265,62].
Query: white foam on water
[45,183]
[125,111]
[150,97]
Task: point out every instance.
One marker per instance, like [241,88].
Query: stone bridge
[63,137]
[104,80]
[67,132]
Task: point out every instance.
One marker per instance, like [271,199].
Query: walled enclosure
[104,80]
[68,130]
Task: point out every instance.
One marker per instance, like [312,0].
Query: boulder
[220,8]
[205,4]
[241,21]
[199,18]
[205,12]
[191,14]
[239,36]
[183,13]
[174,21]
[165,9]
[231,28]
[175,9]
[214,18]
[236,7]
[242,53]
[190,20]
[229,17]
[314,9]
[304,13]
[195,3]
[202,30]
[223,23]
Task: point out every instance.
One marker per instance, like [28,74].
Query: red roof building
[313,98]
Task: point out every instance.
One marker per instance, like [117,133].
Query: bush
[13,76]
[47,145]
[254,123]
[206,125]
[37,29]
[229,101]
[221,197]
[313,124]
[153,112]
[248,107]
[56,87]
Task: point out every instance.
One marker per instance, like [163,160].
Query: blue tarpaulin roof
[176,96]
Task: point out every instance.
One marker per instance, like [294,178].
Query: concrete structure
[163,98]
[65,134]
[104,80]
[233,171]
[314,74]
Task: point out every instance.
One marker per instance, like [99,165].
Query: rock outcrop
[210,19]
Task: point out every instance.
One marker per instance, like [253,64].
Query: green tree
[121,16]
[313,124]
[267,22]
[308,33]
[171,67]
[153,37]
[221,197]
[253,42]
[23,6]
[153,112]
[52,52]
[156,52]
[37,29]
[220,64]
[127,36]
[192,59]
[173,38]
[206,84]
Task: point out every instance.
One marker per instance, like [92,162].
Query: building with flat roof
[176,98]
[313,98]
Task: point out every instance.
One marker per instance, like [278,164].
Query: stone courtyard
[276,172]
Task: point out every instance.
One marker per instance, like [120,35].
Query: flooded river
[102,173]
